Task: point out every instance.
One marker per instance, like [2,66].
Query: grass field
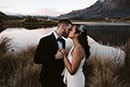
[19,70]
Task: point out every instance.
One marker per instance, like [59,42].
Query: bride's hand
[66,52]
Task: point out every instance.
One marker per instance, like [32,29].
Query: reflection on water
[21,37]
[112,35]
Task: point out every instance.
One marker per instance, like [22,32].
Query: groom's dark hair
[64,21]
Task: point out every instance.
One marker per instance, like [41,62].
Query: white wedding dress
[78,79]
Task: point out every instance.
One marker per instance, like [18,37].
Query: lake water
[106,33]
[22,39]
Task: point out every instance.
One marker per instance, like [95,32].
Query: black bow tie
[60,39]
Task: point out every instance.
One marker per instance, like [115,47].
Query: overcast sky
[43,7]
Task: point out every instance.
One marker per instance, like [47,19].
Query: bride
[75,58]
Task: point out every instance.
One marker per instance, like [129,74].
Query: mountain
[2,15]
[101,9]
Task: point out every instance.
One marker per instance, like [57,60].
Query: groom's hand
[59,54]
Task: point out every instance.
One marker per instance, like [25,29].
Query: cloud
[3,8]
[47,12]
[36,12]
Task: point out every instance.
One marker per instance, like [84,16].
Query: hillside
[30,22]
[101,9]
[2,15]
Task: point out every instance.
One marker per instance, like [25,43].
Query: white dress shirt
[60,45]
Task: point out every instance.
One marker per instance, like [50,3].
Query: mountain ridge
[101,9]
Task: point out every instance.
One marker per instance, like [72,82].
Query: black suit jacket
[51,69]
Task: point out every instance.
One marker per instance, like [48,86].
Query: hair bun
[82,29]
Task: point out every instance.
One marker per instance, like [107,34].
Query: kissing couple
[62,66]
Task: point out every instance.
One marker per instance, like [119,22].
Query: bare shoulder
[79,51]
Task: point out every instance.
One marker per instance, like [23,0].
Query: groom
[49,54]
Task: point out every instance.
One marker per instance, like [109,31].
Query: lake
[114,34]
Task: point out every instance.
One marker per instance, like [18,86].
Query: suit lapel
[54,42]
[64,44]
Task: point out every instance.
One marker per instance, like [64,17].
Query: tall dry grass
[19,70]
[4,44]
[102,72]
